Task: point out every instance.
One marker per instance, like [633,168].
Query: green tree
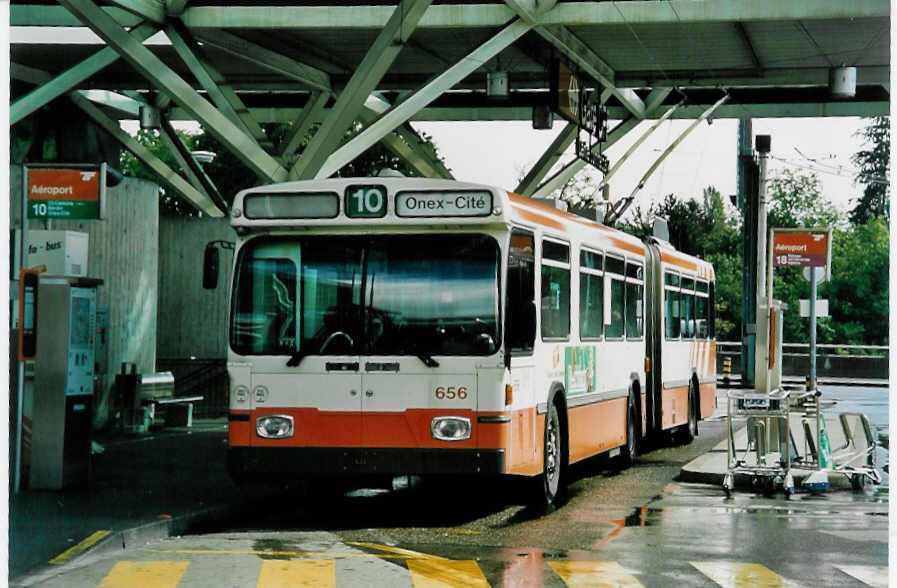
[795,200]
[873,166]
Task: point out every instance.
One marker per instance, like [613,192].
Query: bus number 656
[451,392]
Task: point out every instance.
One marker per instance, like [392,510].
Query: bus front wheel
[552,462]
[629,450]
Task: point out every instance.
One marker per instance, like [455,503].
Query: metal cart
[767,457]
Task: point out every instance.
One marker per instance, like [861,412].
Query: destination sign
[438,204]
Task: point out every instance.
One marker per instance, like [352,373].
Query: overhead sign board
[802,248]
[65,193]
[449,203]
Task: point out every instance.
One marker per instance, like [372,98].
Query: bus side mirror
[210,267]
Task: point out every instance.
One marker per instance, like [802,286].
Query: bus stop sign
[802,248]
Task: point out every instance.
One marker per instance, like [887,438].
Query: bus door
[296,306]
[654,300]
[431,308]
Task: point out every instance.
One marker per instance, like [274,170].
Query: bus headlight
[275,426]
[241,393]
[450,428]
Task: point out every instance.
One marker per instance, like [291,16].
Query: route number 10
[365,201]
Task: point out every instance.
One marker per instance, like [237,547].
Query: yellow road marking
[146,574]
[80,547]
[298,554]
[740,575]
[396,551]
[603,574]
[297,574]
[433,573]
[875,576]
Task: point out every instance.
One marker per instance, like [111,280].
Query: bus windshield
[418,295]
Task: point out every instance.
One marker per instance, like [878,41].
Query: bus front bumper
[253,464]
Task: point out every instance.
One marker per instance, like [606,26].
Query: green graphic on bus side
[579,370]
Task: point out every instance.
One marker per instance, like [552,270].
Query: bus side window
[591,295]
[712,321]
[616,287]
[555,290]
[672,306]
[521,327]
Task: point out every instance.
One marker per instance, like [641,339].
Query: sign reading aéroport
[64,193]
[802,248]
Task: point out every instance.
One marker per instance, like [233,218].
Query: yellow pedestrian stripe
[146,574]
[592,574]
[297,574]
[435,573]
[80,547]
[875,576]
[741,575]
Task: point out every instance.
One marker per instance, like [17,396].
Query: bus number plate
[451,393]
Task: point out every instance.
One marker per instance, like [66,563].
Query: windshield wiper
[428,360]
[296,358]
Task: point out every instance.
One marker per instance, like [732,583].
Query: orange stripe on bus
[675,407]
[671,259]
[539,218]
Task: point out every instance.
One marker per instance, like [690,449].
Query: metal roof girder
[191,168]
[310,114]
[580,53]
[214,83]
[564,175]
[424,96]
[249,51]
[160,168]
[550,157]
[151,10]
[67,80]
[163,77]
[652,102]
[370,71]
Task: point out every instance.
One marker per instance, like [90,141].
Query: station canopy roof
[232,65]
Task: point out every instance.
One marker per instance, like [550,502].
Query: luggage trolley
[767,457]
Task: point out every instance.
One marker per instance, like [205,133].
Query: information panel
[64,193]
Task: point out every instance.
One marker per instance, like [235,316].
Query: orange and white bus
[392,326]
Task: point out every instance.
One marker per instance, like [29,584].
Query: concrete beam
[163,77]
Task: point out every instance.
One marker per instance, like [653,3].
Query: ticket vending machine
[62,393]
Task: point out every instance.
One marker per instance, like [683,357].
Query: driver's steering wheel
[332,336]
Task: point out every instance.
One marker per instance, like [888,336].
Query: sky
[500,153]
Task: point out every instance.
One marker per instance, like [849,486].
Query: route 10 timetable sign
[802,248]
[65,193]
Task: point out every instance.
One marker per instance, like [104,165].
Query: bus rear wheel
[691,429]
[629,450]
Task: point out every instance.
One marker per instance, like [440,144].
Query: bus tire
[550,481]
[630,449]
[691,429]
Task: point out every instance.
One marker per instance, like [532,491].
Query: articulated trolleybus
[392,326]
